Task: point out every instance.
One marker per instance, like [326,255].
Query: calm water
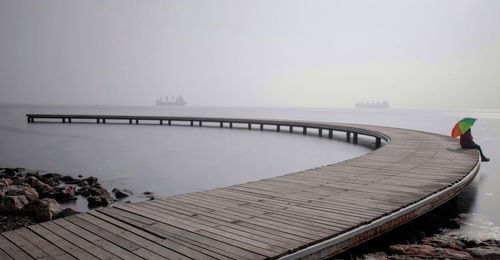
[178,159]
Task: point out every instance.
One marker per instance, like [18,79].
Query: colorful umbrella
[462,126]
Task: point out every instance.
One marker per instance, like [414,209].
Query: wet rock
[80,176]
[444,242]
[12,204]
[4,182]
[44,190]
[426,251]
[485,252]
[93,191]
[91,180]
[67,212]
[33,174]
[31,181]
[50,175]
[69,180]
[18,180]
[45,209]
[147,193]
[12,171]
[375,256]
[21,190]
[64,194]
[83,183]
[99,201]
[119,194]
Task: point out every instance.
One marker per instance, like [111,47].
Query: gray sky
[415,54]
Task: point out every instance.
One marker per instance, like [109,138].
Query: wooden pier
[311,214]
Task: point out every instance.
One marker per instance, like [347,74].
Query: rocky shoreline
[28,197]
[427,237]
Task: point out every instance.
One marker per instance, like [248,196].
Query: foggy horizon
[414,54]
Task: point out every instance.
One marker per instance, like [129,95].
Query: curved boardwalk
[310,214]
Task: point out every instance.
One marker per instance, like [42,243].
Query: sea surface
[170,160]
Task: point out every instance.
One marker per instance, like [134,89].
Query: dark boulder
[91,180]
[33,174]
[18,180]
[69,180]
[44,190]
[444,242]
[4,182]
[21,190]
[429,252]
[99,201]
[12,171]
[45,209]
[13,204]
[485,252]
[119,194]
[64,194]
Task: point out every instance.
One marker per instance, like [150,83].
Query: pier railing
[351,133]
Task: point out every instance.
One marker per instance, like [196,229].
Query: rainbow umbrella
[462,126]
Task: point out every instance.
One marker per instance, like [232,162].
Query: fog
[415,54]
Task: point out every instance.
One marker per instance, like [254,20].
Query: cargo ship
[383,104]
[171,101]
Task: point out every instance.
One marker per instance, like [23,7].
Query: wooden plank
[12,250]
[160,251]
[189,236]
[43,244]
[218,216]
[67,246]
[210,231]
[88,247]
[168,241]
[25,245]
[223,225]
[96,240]
[112,237]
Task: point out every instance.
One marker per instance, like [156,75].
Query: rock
[119,194]
[12,204]
[46,208]
[12,171]
[18,180]
[83,183]
[44,190]
[51,175]
[69,180]
[21,190]
[426,251]
[91,180]
[147,193]
[33,174]
[376,256]
[444,242]
[67,212]
[4,182]
[52,182]
[485,252]
[93,191]
[80,176]
[64,194]
[98,201]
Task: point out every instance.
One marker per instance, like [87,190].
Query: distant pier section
[311,214]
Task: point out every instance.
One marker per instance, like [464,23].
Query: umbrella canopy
[462,126]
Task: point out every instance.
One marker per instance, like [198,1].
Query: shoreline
[423,238]
[29,197]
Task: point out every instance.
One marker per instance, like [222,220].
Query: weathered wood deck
[310,214]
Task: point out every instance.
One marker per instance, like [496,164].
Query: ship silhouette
[171,101]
